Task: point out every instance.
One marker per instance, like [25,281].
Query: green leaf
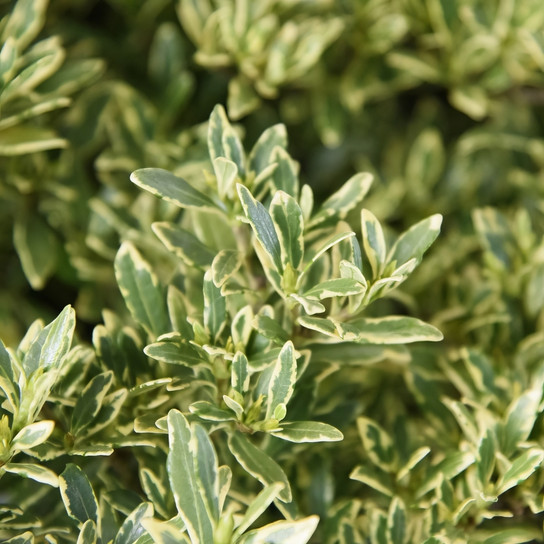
[132,527]
[183,244]
[25,139]
[375,478]
[452,465]
[239,379]
[522,467]
[207,471]
[311,305]
[242,327]
[90,401]
[223,140]
[289,225]
[283,532]
[226,173]
[515,535]
[396,521]
[224,265]
[485,463]
[215,309]
[259,464]
[323,325]
[32,435]
[261,155]
[520,419]
[155,490]
[495,234]
[308,431]
[285,175]
[78,495]
[184,481]
[210,412]
[377,443]
[164,532]
[171,188]
[257,507]
[52,343]
[175,353]
[338,287]
[37,247]
[282,380]
[270,328]
[413,243]
[7,382]
[373,242]
[34,472]
[140,288]
[388,330]
[88,533]
[412,462]
[344,200]
[262,226]
[25,538]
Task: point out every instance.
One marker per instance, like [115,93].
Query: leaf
[240,373]
[282,380]
[210,412]
[132,527]
[412,462]
[257,463]
[377,443]
[413,243]
[520,419]
[34,472]
[140,288]
[25,538]
[7,382]
[226,173]
[52,343]
[242,327]
[78,495]
[87,534]
[37,247]
[452,465]
[32,435]
[308,431]
[270,328]
[223,140]
[90,401]
[311,305]
[257,507]
[515,535]
[289,225]
[183,477]
[523,466]
[319,324]
[338,287]
[285,175]
[388,330]
[262,226]
[283,532]
[183,244]
[171,188]
[176,353]
[207,471]
[396,521]
[155,490]
[163,532]
[485,462]
[373,242]
[272,138]
[215,309]
[375,478]
[344,200]
[224,265]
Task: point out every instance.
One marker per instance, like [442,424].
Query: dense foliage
[304,244]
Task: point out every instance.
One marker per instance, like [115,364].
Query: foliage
[274,341]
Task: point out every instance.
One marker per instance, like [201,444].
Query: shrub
[266,352]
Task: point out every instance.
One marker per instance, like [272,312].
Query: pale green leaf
[184,481]
[207,471]
[223,140]
[388,330]
[262,226]
[259,464]
[319,324]
[308,431]
[272,138]
[171,188]
[226,173]
[373,242]
[132,527]
[215,309]
[183,244]
[289,225]
[32,435]
[377,443]
[78,495]
[140,288]
[88,533]
[90,401]
[34,472]
[210,412]
[285,175]
[240,373]
[283,532]
[337,287]
[270,328]
[176,353]
[522,467]
[282,380]
[396,521]
[311,305]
